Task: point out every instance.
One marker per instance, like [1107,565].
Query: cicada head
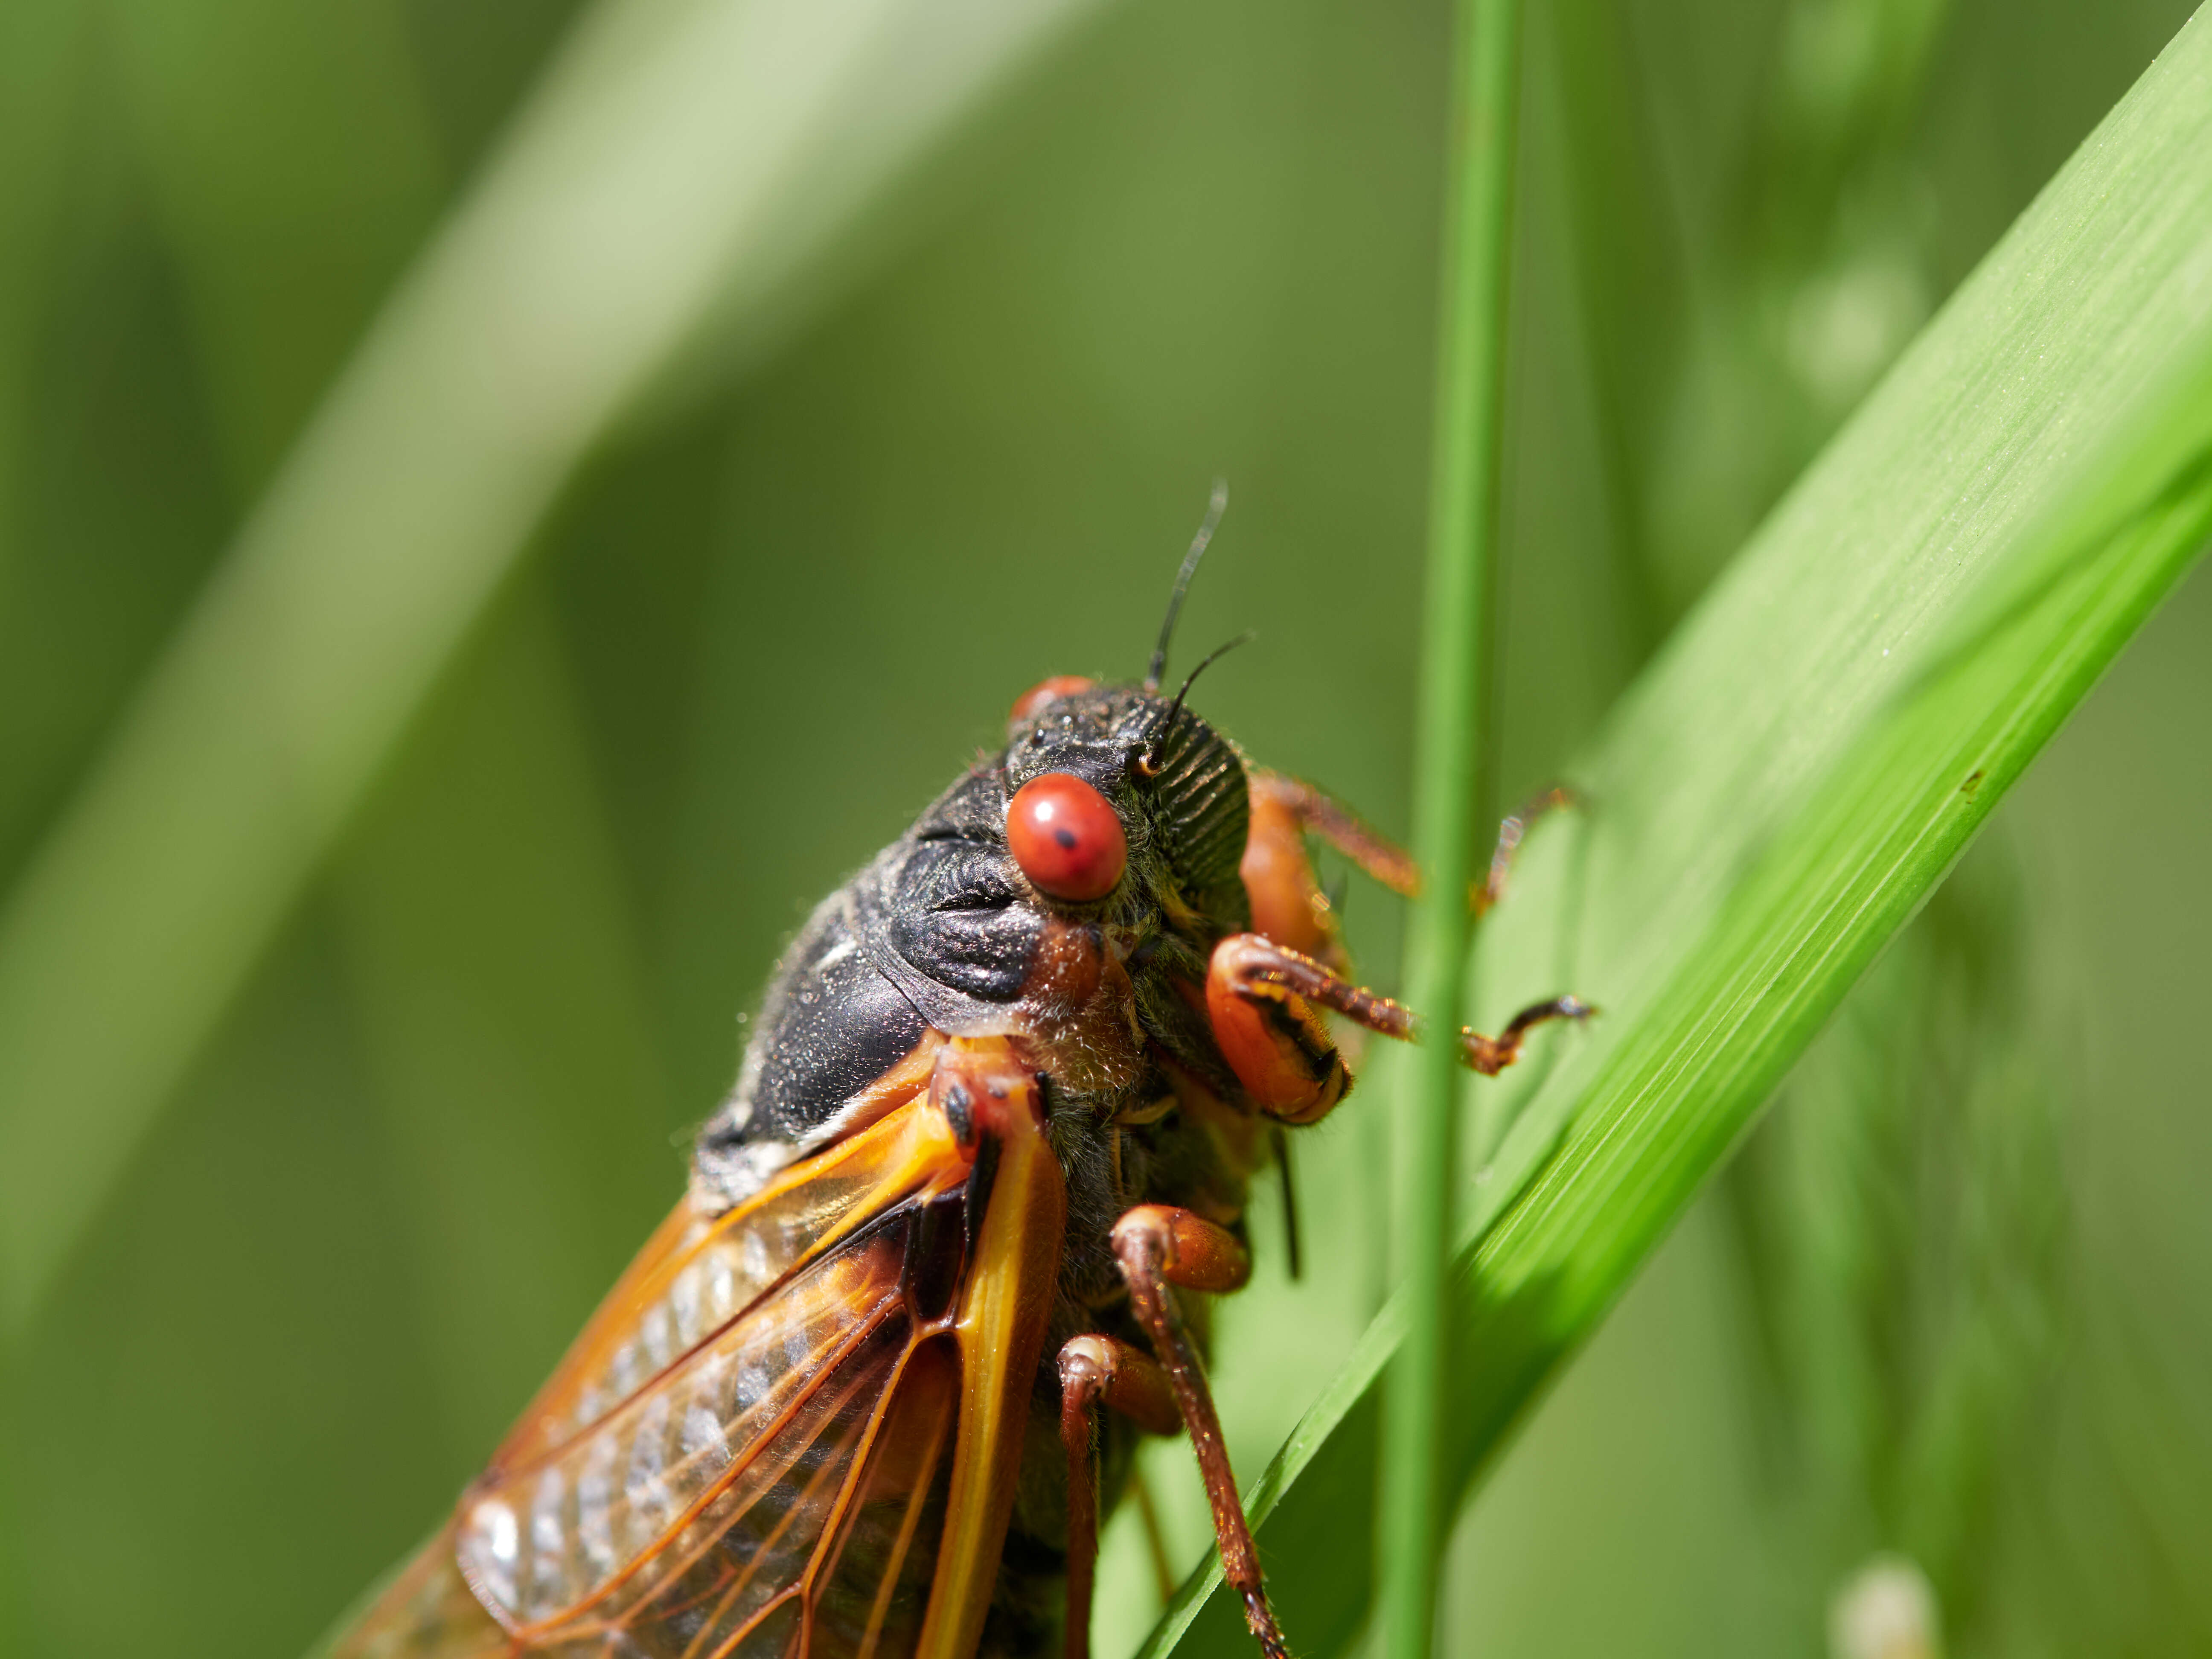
[1108,785]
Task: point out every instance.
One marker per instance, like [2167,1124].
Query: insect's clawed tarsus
[1491,1055]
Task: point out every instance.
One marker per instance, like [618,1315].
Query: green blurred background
[1955,1302]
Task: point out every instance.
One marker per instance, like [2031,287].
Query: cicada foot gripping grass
[947,1247]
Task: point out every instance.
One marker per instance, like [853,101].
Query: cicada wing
[717,1510]
[785,1495]
[871,1601]
[699,1272]
[825,1474]
[426,1611]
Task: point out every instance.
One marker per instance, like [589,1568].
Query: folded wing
[748,1451]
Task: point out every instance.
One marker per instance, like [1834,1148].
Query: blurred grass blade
[1803,762]
[39,42]
[685,160]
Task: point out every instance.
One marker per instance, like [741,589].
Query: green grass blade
[1803,762]
[682,163]
[1457,671]
[39,90]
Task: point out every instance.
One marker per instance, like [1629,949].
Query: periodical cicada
[1004,1099]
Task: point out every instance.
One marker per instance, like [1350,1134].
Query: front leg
[1261,1000]
[1157,1245]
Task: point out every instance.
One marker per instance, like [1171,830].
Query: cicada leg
[1511,834]
[1094,1370]
[1157,1246]
[1287,904]
[1261,1000]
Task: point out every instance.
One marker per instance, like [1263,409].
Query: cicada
[866,1390]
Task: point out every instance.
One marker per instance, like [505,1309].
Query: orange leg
[1093,1369]
[1261,998]
[1157,1245]
[1284,801]
[1269,1030]
[1287,904]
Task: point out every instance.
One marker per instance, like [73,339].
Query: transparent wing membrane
[747,1452]
[697,1273]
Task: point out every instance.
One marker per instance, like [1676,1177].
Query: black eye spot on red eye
[1066,837]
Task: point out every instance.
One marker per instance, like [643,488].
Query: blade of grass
[1456,670]
[278,267]
[677,154]
[1800,765]
[40,48]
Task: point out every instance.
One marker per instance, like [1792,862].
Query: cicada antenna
[1215,507]
[1156,751]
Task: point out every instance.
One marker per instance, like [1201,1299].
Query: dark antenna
[1214,508]
[1156,751]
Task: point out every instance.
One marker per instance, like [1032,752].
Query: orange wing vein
[778,1491]
[791,1431]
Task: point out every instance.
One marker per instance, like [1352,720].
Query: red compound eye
[1048,692]
[1066,837]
